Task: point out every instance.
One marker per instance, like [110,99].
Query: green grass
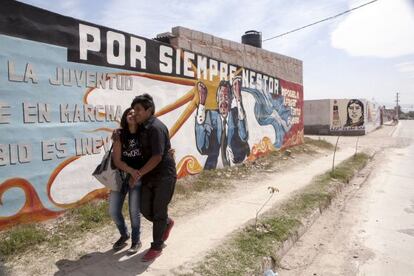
[21,238]
[240,255]
[94,215]
[320,143]
[207,180]
[244,251]
[217,180]
[91,216]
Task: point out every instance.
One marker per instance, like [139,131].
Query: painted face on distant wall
[224,100]
[355,112]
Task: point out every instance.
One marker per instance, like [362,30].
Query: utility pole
[397,111]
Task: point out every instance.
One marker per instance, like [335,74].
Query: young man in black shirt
[158,174]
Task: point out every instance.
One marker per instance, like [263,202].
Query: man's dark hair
[146,101]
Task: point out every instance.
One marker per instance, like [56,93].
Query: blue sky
[368,53]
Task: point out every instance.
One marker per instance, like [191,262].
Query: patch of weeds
[244,251]
[241,255]
[320,143]
[345,171]
[91,215]
[217,179]
[20,239]
[207,180]
[210,179]
[304,202]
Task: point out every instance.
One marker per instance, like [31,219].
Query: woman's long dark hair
[124,131]
[348,118]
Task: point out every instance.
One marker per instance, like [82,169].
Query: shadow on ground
[3,269]
[106,263]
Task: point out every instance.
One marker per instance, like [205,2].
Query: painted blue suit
[226,135]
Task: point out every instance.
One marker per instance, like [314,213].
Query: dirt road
[370,230]
[196,234]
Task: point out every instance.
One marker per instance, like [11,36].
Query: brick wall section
[257,59]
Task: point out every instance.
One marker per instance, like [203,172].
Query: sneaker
[120,243]
[151,255]
[167,231]
[134,248]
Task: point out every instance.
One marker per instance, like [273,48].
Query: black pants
[156,194]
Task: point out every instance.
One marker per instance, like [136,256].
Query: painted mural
[355,115]
[348,115]
[64,84]
[374,111]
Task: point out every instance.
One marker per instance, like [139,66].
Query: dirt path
[205,224]
[369,230]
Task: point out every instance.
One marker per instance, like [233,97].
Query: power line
[320,21]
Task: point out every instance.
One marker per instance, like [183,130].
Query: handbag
[107,173]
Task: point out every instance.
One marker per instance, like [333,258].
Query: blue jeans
[116,201]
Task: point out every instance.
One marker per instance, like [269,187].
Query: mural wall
[373,121]
[354,115]
[64,84]
[347,115]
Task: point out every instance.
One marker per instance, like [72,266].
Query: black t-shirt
[131,150]
[155,140]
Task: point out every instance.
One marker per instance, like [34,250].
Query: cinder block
[232,52]
[181,32]
[235,58]
[250,49]
[240,47]
[196,48]
[231,59]
[225,57]
[198,36]
[215,53]
[234,46]
[207,50]
[226,44]
[217,42]
[174,42]
[208,39]
[184,43]
[201,49]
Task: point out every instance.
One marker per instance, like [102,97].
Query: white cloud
[406,68]
[382,29]
[227,19]
[148,18]
[290,16]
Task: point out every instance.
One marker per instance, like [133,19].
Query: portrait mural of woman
[355,113]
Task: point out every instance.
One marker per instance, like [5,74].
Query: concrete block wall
[316,121]
[316,112]
[257,59]
[211,123]
[333,117]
